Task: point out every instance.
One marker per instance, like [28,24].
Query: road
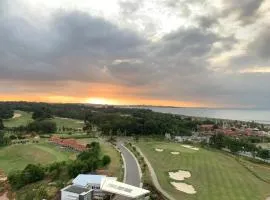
[154,177]
[131,167]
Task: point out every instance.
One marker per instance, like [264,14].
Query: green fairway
[22,118]
[68,123]
[264,145]
[214,175]
[16,157]
[108,149]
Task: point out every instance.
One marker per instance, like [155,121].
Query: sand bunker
[159,150]
[190,147]
[183,187]
[3,179]
[175,152]
[16,115]
[179,175]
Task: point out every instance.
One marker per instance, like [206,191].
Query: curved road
[131,169]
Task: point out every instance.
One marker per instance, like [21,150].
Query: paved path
[154,177]
[132,171]
[4,196]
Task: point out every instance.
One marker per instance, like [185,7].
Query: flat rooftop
[76,189]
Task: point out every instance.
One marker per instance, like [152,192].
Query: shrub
[106,160]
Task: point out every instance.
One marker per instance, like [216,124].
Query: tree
[217,141]
[234,146]
[106,160]
[43,126]
[41,193]
[264,153]
[75,168]
[42,113]
[1,124]
[32,173]
[2,138]
[15,179]
[6,112]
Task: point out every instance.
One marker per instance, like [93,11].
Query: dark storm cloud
[77,46]
[207,21]
[247,9]
[260,45]
[187,42]
[257,53]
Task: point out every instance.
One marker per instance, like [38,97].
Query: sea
[257,115]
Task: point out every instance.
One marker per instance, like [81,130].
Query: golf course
[214,175]
[22,118]
[16,157]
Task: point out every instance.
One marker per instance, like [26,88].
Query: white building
[86,186]
[95,187]
[73,192]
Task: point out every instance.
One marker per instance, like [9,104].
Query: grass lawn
[264,145]
[214,175]
[68,123]
[24,119]
[16,157]
[115,166]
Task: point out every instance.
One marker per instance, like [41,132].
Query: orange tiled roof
[71,143]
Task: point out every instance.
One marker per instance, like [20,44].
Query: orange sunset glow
[128,52]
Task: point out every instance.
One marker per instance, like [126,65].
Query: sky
[191,53]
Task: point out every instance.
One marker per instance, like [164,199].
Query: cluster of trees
[220,141]
[87,161]
[75,111]
[30,174]
[6,112]
[119,121]
[1,125]
[42,127]
[112,120]
[42,113]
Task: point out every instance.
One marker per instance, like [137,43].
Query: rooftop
[85,179]
[122,189]
[76,189]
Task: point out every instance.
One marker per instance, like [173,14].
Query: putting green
[214,175]
[16,157]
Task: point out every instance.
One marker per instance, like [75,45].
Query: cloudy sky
[213,53]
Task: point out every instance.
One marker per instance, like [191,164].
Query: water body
[258,115]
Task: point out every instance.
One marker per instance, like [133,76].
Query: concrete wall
[69,196]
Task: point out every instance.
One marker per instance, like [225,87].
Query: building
[68,143]
[206,128]
[99,187]
[87,186]
[73,192]
[125,190]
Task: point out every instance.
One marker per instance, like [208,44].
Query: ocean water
[258,115]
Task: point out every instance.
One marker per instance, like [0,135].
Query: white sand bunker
[190,147]
[175,152]
[4,178]
[179,175]
[159,150]
[183,187]
[16,115]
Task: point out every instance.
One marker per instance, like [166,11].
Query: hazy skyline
[212,53]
